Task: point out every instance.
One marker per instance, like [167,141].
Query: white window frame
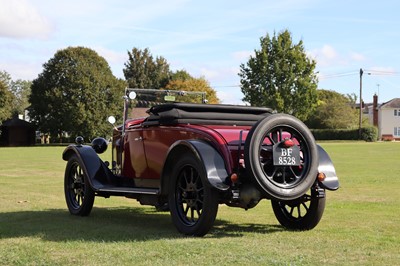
[396,131]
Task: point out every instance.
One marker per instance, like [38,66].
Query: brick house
[386,117]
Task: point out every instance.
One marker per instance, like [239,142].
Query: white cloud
[112,56]
[327,56]
[19,19]
[209,73]
[230,96]
[328,52]
[115,59]
[357,57]
[219,75]
[22,70]
[243,55]
[324,56]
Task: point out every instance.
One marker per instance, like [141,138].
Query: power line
[335,75]
[338,75]
[351,73]
[382,73]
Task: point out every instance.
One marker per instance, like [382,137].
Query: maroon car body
[189,158]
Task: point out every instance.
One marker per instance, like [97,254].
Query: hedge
[367,133]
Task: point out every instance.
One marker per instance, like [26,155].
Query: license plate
[286,156]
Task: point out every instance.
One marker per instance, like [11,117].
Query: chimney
[375,110]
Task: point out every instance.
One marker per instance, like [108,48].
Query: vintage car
[190,157]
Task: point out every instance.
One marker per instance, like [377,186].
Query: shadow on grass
[110,225]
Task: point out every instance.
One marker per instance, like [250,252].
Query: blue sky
[211,38]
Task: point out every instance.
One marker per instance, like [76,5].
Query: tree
[21,90]
[193,84]
[75,93]
[334,111]
[180,75]
[6,100]
[280,76]
[144,72]
[5,78]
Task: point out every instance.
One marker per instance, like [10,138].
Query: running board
[128,190]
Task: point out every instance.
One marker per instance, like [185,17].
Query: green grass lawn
[360,226]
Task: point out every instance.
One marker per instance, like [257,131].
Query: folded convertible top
[175,113]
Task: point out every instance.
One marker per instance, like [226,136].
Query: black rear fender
[210,159]
[331,181]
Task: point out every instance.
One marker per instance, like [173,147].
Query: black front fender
[91,164]
[325,166]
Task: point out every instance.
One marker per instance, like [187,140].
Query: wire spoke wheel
[292,178]
[76,186]
[78,194]
[303,213]
[193,203]
[190,195]
[283,176]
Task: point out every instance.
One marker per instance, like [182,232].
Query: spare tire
[267,145]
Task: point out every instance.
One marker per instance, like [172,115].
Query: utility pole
[360,115]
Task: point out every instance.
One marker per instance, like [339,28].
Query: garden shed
[17,132]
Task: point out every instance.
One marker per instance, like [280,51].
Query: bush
[369,133]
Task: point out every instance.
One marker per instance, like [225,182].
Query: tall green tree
[145,72]
[75,93]
[6,100]
[280,76]
[334,111]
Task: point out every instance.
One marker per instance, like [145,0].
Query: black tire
[303,213]
[78,193]
[192,201]
[281,182]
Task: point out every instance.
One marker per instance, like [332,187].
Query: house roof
[394,103]
[15,122]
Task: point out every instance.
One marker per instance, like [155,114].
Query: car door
[135,164]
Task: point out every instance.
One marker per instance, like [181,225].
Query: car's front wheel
[78,193]
[193,203]
[303,213]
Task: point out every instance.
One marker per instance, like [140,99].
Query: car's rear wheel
[281,182]
[303,213]
[193,203]
[78,193]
